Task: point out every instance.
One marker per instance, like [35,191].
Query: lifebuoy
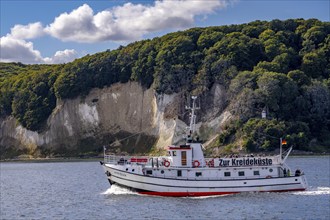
[167,163]
[196,163]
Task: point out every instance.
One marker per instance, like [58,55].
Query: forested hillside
[281,67]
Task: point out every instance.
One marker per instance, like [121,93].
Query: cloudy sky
[58,31]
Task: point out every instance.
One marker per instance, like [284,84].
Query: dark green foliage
[299,77]
[280,66]
[317,112]
[314,64]
[261,134]
[27,93]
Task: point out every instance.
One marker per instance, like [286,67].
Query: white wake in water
[117,190]
[315,191]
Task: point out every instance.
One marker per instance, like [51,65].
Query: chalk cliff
[125,117]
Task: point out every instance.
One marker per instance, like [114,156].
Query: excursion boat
[186,172]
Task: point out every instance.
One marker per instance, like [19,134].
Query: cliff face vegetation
[279,67]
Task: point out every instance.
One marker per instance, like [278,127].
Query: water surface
[79,190]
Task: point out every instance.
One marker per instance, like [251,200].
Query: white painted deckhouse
[185,171]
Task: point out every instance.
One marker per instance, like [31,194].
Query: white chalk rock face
[110,114]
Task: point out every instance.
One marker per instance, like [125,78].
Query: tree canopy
[280,66]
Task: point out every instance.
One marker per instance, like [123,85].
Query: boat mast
[192,124]
[281,149]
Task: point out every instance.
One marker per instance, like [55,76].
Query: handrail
[115,159]
[202,163]
[144,160]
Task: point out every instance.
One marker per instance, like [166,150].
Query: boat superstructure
[184,171]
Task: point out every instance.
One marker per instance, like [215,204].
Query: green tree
[299,77]
[314,64]
[260,134]
[278,93]
[208,38]
[318,105]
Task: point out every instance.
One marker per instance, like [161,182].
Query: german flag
[284,142]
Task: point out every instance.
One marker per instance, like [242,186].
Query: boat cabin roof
[180,147]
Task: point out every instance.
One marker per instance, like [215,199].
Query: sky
[59,31]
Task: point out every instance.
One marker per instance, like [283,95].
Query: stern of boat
[304,182]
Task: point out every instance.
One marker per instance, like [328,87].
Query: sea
[80,190]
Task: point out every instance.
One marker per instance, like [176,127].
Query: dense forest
[281,67]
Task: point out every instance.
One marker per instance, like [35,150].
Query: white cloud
[121,23]
[76,26]
[64,56]
[29,31]
[17,50]
[128,22]
[14,47]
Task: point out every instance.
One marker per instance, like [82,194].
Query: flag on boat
[284,142]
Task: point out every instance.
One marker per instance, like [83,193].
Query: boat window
[183,158]
[179,172]
[162,172]
[174,153]
[149,172]
[241,173]
[227,173]
[169,153]
[270,170]
[198,173]
[256,172]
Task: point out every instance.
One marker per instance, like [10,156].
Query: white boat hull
[186,172]
[145,184]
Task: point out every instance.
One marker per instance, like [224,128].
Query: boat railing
[115,159]
[144,160]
